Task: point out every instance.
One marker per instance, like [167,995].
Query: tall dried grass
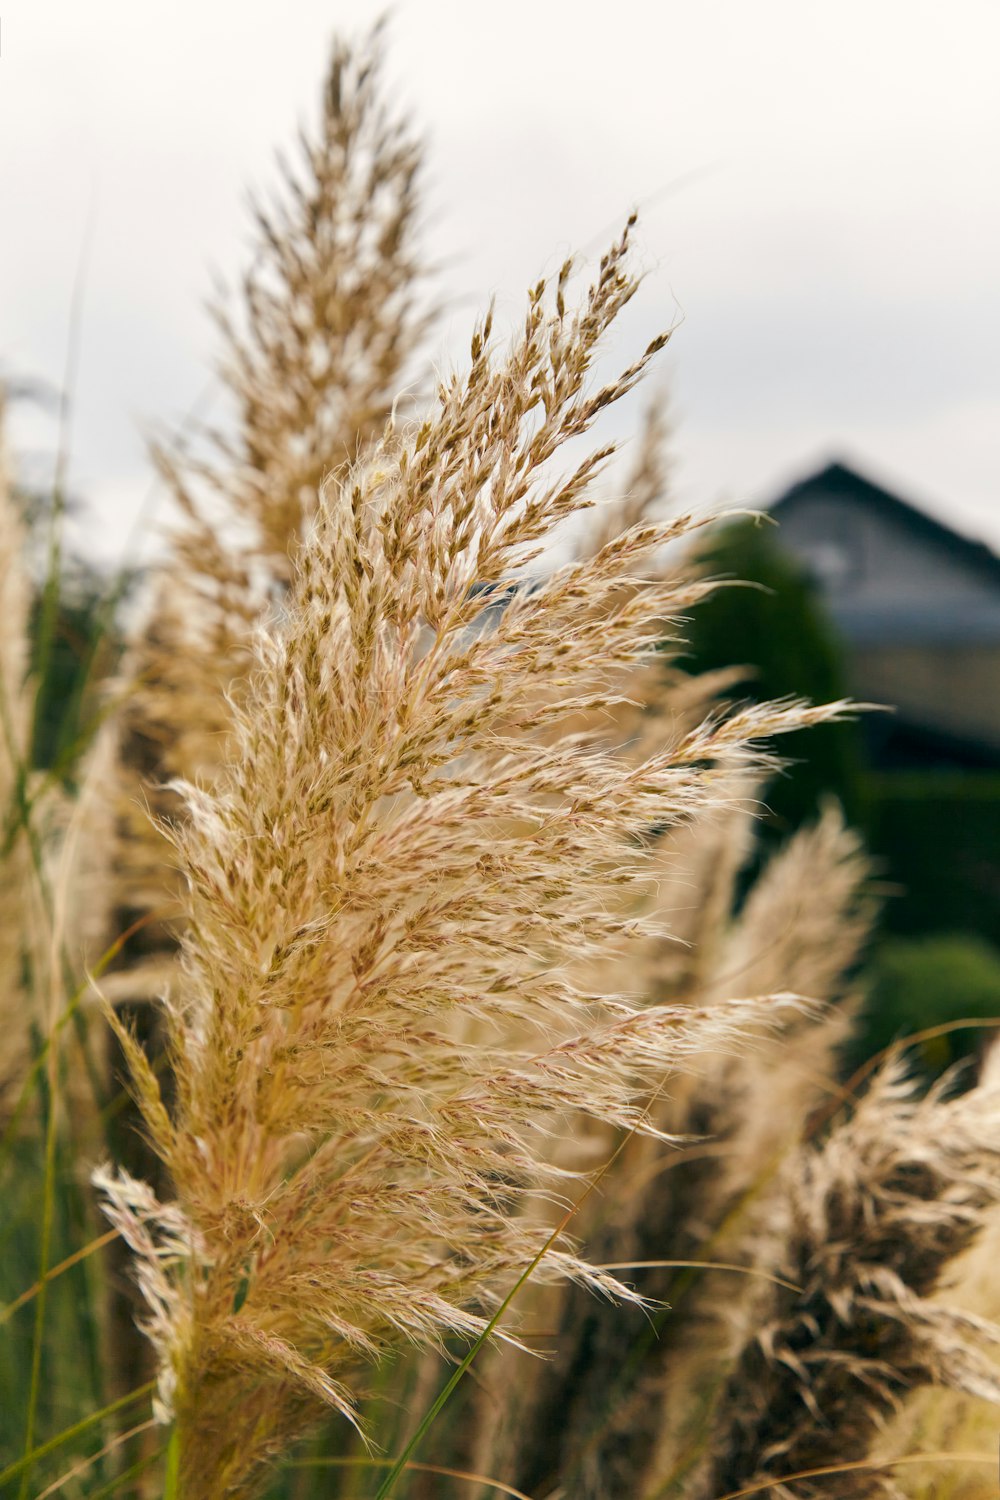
[875,1215]
[15,881]
[377,1023]
[461,982]
[312,359]
[623,1401]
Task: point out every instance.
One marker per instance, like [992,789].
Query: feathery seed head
[389,886]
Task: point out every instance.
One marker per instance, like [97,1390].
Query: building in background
[917,607]
[917,610]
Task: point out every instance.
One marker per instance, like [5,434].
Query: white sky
[831,240]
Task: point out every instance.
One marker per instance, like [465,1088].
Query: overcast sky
[818,181]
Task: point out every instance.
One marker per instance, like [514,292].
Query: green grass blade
[48,1206]
[67,1435]
[172,1476]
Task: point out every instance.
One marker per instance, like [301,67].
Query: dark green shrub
[937,835]
[774,623]
[917,983]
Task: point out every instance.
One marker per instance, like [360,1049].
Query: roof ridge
[838,474]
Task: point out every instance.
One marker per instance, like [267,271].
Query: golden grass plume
[389,885]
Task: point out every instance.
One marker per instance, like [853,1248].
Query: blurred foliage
[75,645]
[772,621]
[937,835]
[918,983]
[75,636]
[69,1387]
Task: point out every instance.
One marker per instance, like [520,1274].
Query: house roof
[838,479]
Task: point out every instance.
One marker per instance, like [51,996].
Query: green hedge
[937,836]
[773,622]
[914,984]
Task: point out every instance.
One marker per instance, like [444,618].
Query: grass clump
[391,887]
[436,974]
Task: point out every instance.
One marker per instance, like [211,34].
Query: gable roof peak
[840,479]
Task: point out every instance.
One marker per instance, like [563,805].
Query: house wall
[920,615]
[955,690]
